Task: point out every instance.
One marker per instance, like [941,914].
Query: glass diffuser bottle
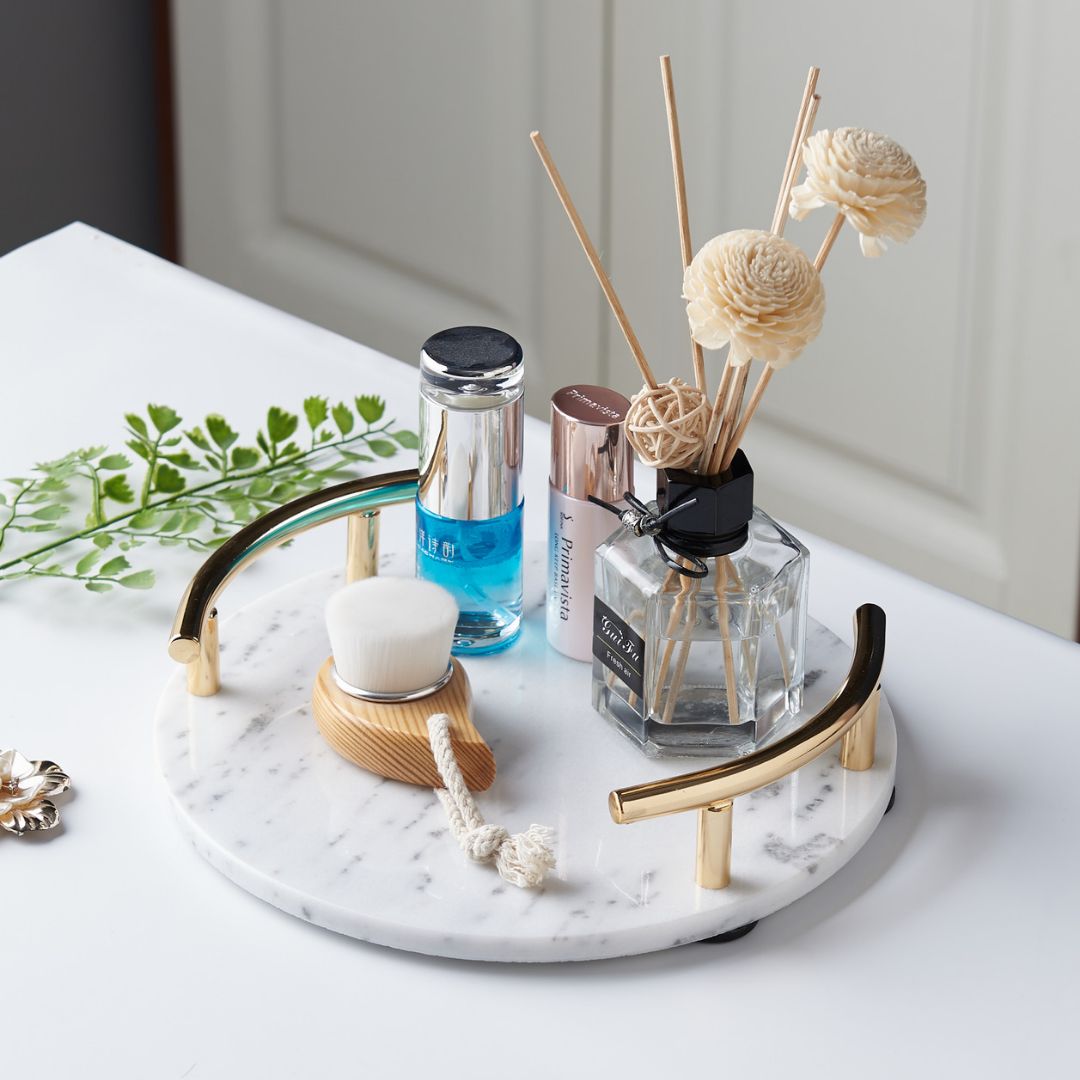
[700,619]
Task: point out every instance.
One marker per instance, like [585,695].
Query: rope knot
[523,859]
[483,844]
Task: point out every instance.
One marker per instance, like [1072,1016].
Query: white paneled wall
[367,165]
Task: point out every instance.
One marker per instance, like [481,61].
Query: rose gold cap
[589,451]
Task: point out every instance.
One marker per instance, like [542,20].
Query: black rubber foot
[731,935]
[892,801]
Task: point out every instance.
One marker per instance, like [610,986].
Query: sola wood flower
[666,424]
[25,787]
[757,291]
[872,180]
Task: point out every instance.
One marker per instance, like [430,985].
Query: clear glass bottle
[469,504]
[701,665]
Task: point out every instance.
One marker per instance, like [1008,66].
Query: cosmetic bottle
[700,619]
[589,457]
[469,504]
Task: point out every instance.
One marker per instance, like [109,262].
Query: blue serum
[469,506]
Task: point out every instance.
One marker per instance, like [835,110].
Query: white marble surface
[946,948]
[268,803]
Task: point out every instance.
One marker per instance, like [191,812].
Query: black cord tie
[641,521]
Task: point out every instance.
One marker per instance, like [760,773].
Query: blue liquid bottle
[469,506]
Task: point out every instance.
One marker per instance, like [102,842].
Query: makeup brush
[391,670]
[391,635]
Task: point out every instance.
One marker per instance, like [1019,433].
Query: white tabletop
[950,944]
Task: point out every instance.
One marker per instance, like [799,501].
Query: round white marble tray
[269,804]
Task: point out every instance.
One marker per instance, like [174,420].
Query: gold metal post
[857,745]
[362,554]
[204,672]
[714,846]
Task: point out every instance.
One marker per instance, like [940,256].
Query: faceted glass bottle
[710,665]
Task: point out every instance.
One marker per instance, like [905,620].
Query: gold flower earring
[26,788]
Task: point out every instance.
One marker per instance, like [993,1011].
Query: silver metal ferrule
[389,699]
[471,422]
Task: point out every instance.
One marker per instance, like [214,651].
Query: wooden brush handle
[392,740]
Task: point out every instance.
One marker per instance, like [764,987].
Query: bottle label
[562,567]
[432,545]
[618,647]
[576,529]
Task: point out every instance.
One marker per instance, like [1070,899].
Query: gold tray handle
[194,637]
[851,715]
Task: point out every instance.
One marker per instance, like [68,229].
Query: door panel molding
[239,227]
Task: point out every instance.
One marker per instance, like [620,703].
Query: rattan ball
[667,425]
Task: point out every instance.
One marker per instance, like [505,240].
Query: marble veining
[272,807]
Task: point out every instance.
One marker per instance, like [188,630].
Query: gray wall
[78,128]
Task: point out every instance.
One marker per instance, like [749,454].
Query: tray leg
[730,935]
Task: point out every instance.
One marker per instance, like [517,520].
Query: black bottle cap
[718,523]
[468,352]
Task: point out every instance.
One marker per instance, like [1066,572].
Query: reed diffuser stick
[751,407]
[723,567]
[785,191]
[676,616]
[679,672]
[681,207]
[725,429]
[796,165]
[804,106]
[716,418]
[731,412]
[827,243]
[594,260]
[724,570]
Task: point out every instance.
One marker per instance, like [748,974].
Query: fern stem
[251,474]
[148,479]
[35,571]
[97,509]
[14,508]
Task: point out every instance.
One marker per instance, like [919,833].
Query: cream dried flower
[757,291]
[872,180]
[25,787]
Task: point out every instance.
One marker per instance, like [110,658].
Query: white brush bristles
[391,635]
